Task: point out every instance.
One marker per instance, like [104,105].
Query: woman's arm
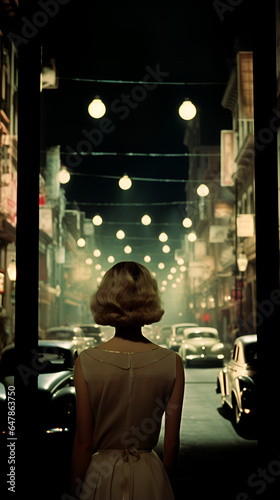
[171,444]
[83,442]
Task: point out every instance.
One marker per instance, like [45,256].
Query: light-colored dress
[128,395]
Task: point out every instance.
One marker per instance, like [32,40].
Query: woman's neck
[130,333]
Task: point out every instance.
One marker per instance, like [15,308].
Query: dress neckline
[126,352]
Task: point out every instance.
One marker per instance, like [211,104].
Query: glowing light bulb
[125,183]
[120,234]
[187,222]
[81,242]
[146,220]
[97,220]
[96,108]
[163,237]
[63,175]
[166,249]
[202,190]
[192,237]
[187,110]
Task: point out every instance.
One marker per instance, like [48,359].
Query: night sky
[191,42]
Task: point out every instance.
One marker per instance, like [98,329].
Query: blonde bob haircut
[128,295]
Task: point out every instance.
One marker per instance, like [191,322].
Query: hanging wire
[150,155]
[135,204]
[145,179]
[139,82]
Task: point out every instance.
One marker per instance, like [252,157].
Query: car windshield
[61,335]
[57,358]
[180,330]
[251,352]
[91,331]
[205,335]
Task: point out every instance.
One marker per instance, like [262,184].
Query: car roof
[63,328]
[247,339]
[179,324]
[186,323]
[64,344]
[81,325]
[201,329]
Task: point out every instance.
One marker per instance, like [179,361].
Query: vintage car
[173,335]
[92,332]
[75,334]
[202,345]
[54,362]
[237,383]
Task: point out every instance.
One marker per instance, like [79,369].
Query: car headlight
[190,348]
[217,347]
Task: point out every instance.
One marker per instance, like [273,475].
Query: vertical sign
[228,165]
[245,86]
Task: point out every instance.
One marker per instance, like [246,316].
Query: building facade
[220,204]
[8,177]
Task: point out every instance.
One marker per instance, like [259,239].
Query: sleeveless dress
[128,396]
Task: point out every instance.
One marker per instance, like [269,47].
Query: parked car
[203,345]
[237,383]
[74,334]
[172,335]
[154,335]
[56,397]
[92,332]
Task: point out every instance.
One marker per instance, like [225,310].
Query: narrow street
[215,462]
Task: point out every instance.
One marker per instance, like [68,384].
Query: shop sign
[245,225]
[223,210]
[2,281]
[46,220]
[218,234]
